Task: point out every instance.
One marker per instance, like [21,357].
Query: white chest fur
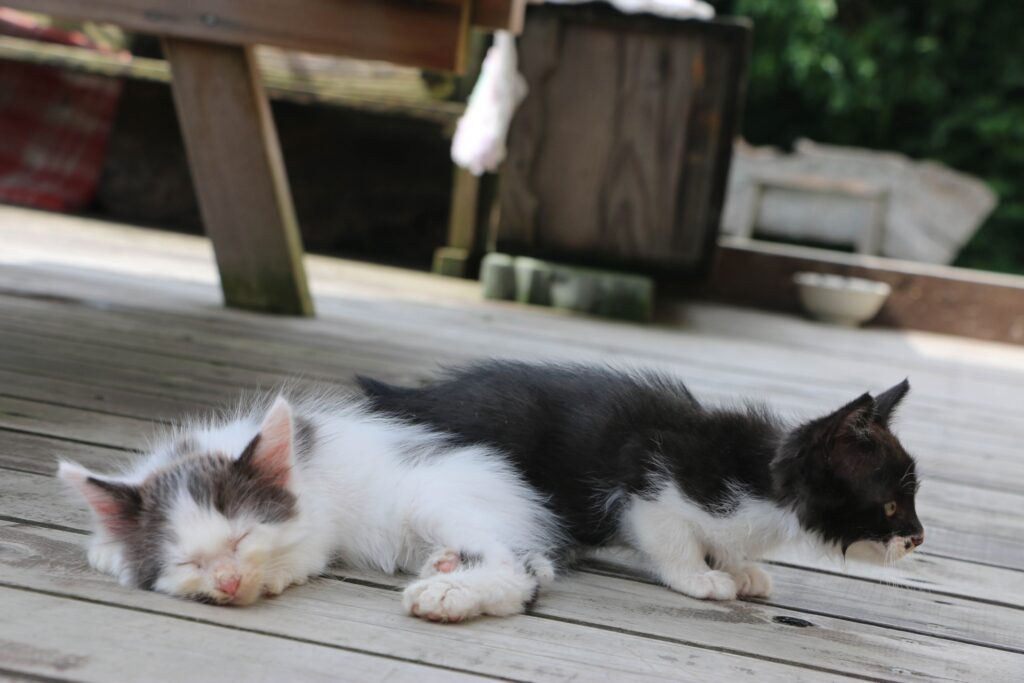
[745,532]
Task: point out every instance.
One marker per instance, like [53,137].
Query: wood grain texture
[965,409]
[617,155]
[239,176]
[120,328]
[639,610]
[368,619]
[214,364]
[959,428]
[287,75]
[506,15]
[425,33]
[46,636]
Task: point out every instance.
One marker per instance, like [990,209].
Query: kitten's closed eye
[238,541]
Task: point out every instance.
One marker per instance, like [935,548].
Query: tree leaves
[938,80]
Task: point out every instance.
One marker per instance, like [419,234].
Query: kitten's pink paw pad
[752,581]
[439,599]
[444,561]
[712,585]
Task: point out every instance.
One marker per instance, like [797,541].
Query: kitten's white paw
[440,598]
[541,568]
[276,583]
[462,595]
[711,585]
[751,581]
[106,557]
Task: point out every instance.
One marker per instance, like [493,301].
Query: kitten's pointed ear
[887,401]
[117,505]
[270,452]
[856,415]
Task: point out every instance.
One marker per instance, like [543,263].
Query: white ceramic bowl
[849,301]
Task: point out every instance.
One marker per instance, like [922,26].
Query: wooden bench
[229,134]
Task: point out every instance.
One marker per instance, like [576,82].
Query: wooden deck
[104,329]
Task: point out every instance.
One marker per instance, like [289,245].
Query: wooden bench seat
[301,77]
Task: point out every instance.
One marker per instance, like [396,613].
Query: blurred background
[933,80]
[930,80]
[859,126]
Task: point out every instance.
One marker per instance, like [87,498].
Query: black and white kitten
[700,491]
[230,508]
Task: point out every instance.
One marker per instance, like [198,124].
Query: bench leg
[468,224]
[239,176]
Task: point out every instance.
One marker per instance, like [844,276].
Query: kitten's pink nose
[229,584]
[917,540]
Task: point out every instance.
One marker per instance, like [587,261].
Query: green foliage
[933,79]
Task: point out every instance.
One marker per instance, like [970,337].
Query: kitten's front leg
[294,574]
[107,555]
[287,570]
[276,582]
[751,580]
[673,547]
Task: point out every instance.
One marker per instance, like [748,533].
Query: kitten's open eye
[890,508]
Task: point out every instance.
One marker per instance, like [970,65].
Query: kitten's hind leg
[656,529]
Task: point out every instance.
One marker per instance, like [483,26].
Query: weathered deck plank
[43,635]
[368,618]
[249,359]
[120,328]
[612,608]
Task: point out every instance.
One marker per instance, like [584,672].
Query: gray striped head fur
[208,523]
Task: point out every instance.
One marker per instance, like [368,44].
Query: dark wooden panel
[499,14]
[428,33]
[239,176]
[620,152]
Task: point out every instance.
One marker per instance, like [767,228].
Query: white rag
[479,141]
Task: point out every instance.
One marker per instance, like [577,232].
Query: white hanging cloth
[479,141]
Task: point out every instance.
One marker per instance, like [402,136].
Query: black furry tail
[374,388]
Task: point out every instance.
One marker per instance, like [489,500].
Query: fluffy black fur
[588,437]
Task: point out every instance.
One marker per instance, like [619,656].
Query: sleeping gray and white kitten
[227,510]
